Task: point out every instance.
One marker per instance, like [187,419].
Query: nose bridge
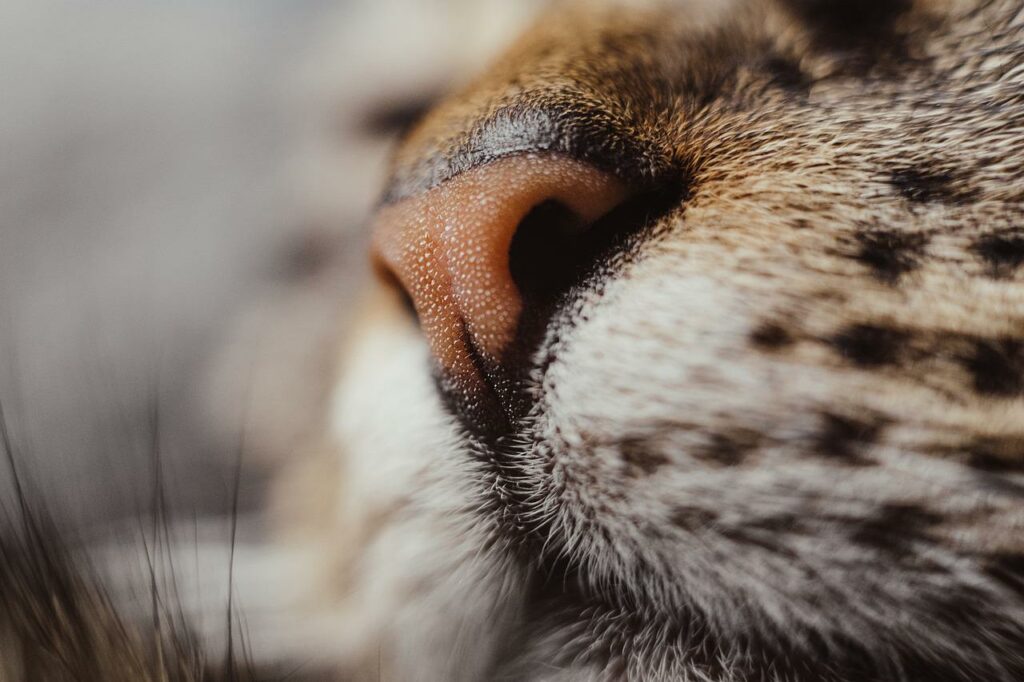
[449,248]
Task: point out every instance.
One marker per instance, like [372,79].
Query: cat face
[697,352]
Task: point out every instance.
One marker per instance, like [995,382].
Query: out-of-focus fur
[776,434]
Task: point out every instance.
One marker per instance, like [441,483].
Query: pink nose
[449,248]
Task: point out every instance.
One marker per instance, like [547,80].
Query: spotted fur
[775,433]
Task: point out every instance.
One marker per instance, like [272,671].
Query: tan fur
[779,435]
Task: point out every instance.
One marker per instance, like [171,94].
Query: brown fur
[852,176]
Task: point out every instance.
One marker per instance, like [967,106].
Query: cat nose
[450,249]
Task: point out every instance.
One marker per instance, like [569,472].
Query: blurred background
[183,187]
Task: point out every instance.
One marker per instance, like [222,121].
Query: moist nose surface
[449,249]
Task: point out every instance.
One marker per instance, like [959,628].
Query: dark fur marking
[845,438]
[729,448]
[771,336]
[894,528]
[890,254]
[1007,568]
[780,524]
[997,455]
[924,186]
[870,345]
[692,518]
[997,366]
[787,74]
[640,459]
[753,536]
[850,16]
[1003,253]
[863,29]
[998,483]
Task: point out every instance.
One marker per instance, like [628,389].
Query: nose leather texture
[448,247]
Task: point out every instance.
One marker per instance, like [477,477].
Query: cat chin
[401,561]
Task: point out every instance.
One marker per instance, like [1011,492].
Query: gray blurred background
[145,198]
[176,176]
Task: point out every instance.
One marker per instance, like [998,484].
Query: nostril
[554,248]
[542,255]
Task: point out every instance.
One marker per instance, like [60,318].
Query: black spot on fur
[692,518]
[771,336]
[1004,253]
[854,20]
[787,74]
[997,455]
[894,528]
[870,345]
[730,448]
[1007,568]
[999,484]
[997,366]
[924,186]
[845,438]
[890,254]
[780,524]
[641,459]
[751,535]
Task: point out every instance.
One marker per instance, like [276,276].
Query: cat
[694,351]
